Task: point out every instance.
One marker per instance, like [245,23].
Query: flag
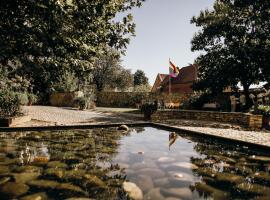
[174,71]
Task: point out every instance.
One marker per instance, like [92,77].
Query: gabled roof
[159,79]
[162,76]
[186,75]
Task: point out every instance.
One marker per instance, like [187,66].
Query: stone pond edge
[140,124]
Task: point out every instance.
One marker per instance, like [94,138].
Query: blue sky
[163,31]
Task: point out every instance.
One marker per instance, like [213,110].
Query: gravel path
[48,115]
[257,137]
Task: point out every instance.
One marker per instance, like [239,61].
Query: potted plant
[148,109]
[81,103]
[265,112]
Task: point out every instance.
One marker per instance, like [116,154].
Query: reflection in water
[96,163]
[172,138]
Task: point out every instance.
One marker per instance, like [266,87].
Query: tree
[142,88]
[140,78]
[235,38]
[50,37]
[109,73]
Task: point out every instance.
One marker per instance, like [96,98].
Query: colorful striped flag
[174,71]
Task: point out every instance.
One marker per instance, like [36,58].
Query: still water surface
[95,164]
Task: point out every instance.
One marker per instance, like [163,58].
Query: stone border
[141,124]
[246,119]
[12,121]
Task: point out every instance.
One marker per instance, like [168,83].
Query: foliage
[81,103]
[197,100]
[235,38]
[9,103]
[23,98]
[108,72]
[67,82]
[137,98]
[46,38]
[32,98]
[140,78]
[149,109]
[261,110]
[142,88]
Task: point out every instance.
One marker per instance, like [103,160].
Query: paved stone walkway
[256,137]
[48,115]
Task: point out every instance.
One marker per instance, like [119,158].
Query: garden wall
[130,99]
[246,119]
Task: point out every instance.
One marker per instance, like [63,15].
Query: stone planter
[14,121]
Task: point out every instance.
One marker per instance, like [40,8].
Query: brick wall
[246,119]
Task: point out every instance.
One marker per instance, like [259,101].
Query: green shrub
[67,82]
[196,101]
[32,98]
[148,109]
[81,103]
[261,110]
[9,104]
[23,98]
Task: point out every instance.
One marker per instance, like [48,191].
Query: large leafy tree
[235,41]
[140,78]
[48,37]
[108,72]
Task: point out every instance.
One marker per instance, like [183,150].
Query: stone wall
[130,99]
[246,119]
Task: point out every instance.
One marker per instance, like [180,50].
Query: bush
[261,110]
[32,98]
[23,98]
[196,101]
[67,82]
[81,103]
[9,104]
[148,109]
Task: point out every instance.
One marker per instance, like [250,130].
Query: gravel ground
[48,115]
[256,137]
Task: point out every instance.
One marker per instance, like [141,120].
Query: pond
[146,163]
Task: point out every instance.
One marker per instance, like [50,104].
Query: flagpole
[170,89]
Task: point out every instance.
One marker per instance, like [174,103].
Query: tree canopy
[140,78]
[52,36]
[235,42]
[108,72]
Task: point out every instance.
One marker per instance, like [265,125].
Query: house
[181,84]
[157,85]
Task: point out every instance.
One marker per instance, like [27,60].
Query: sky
[163,31]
